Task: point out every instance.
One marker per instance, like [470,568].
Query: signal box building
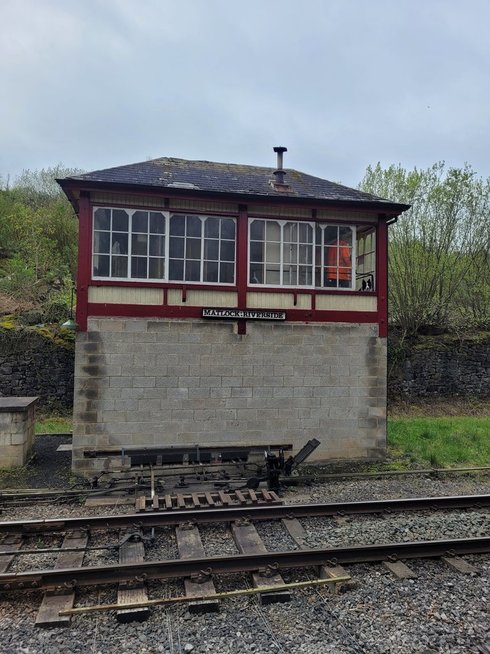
[228,305]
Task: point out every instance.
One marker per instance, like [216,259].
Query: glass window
[298,253]
[127,238]
[334,256]
[366,258]
[281,253]
[202,249]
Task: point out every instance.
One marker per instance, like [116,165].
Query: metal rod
[204,598]
[261,512]
[175,568]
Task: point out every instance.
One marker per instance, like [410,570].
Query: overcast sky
[340,83]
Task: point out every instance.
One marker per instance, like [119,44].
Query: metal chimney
[280,172]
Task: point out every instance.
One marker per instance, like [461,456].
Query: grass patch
[53,424]
[441,442]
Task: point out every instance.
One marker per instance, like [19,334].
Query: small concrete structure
[17,418]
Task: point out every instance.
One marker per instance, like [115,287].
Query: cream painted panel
[279,211]
[346,303]
[128,200]
[124,295]
[203,298]
[354,216]
[202,206]
[277,301]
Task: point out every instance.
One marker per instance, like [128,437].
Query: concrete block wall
[156,382]
[17,420]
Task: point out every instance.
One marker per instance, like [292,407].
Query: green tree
[38,236]
[439,250]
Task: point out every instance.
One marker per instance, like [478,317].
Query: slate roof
[237,179]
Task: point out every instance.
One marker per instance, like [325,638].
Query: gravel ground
[440,611]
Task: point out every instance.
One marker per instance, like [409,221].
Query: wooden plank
[210,499]
[140,503]
[460,565]
[180,502]
[248,541]
[196,500]
[168,502]
[225,498]
[253,496]
[241,497]
[9,544]
[54,602]
[190,547]
[155,503]
[334,572]
[296,530]
[132,552]
[298,534]
[274,498]
[400,569]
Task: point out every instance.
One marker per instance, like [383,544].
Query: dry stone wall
[33,364]
[440,367]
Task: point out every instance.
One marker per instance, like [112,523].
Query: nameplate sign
[243,314]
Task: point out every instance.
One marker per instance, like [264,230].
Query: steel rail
[134,573]
[254,512]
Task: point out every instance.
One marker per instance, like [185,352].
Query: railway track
[131,536]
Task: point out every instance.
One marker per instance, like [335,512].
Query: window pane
[101,266]
[272,275]
[102,219]
[291,232]
[289,276]
[272,252]
[226,273]
[305,276]
[177,225]
[210,271]
[193,226]
[256,274]
[176,247]
[119,267]
[305,233]
[139,244]
[273,231]
[157,246]
[227,228]
[120,220]
[257,230]
[211,249]
[140,221]
[305,253]
[119,243]
[176,270]
[193,248]
[102,241]
[211,227]
[345,235]
[192,271]
[256,251]
[290,253]
[157,223]
[330,234]
[157,269]
[139,267]
[227,251]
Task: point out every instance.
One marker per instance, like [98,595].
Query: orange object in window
[341,270]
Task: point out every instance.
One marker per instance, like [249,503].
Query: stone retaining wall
[32,364]
[440,367]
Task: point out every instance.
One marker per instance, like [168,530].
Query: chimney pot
[280,172]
